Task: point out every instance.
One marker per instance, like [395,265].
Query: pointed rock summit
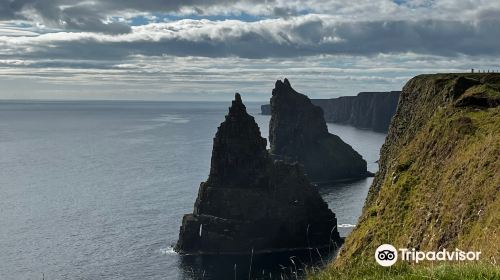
[252,203]
[239,152]
[298,133]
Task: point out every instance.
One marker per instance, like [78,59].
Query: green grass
[441,190]
[408,272]
[437,187]
[488,90]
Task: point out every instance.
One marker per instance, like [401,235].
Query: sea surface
[97,189]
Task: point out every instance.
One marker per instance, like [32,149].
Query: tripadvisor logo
[387,255]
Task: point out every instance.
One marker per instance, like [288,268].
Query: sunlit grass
[408,272]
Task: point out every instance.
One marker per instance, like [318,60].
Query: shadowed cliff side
[251,203]
[298,132]
[439,178]
[367,110]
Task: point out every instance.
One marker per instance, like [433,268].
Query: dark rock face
[367,110]
[478,100]
[298,132]
[265,109]
[251,202]
[483,97]
[460,85]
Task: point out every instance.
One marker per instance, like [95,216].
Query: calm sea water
[97,190]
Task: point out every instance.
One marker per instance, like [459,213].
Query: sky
[206,50]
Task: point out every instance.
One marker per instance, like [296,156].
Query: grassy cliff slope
[439,179]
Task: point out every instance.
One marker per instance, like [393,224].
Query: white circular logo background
[386,255]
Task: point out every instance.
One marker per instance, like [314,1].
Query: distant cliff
[252,203]
[298,133]
[367,110]
[439,179]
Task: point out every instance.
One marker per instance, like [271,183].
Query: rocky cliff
[439,178]
[252,203]
[298,132]
[367,110]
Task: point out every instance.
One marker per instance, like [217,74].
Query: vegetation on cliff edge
[438,183]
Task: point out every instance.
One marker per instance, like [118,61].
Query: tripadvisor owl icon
[386,255]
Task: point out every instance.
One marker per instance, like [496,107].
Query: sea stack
[298,133]
[251,203]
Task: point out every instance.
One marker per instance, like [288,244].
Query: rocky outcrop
[265,109]
[251,203]
[298,133]
[438,182]
[367,110]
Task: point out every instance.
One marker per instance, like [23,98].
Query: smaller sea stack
[298,133]
[251,203]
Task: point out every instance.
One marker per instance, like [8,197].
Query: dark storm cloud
[294,37]
[88,19]
[170,5]
[436,37]
[284,12]
[92,16]
[79,17]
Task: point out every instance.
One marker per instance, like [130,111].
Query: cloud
[104,15]
[99,15]
[61,14]
[199,78]
[285,12]
[291,37]
[168,47]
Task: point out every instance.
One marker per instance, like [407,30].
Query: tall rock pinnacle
[239,151]
[298,132]
[252,203]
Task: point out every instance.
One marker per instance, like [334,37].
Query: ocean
[97,189]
